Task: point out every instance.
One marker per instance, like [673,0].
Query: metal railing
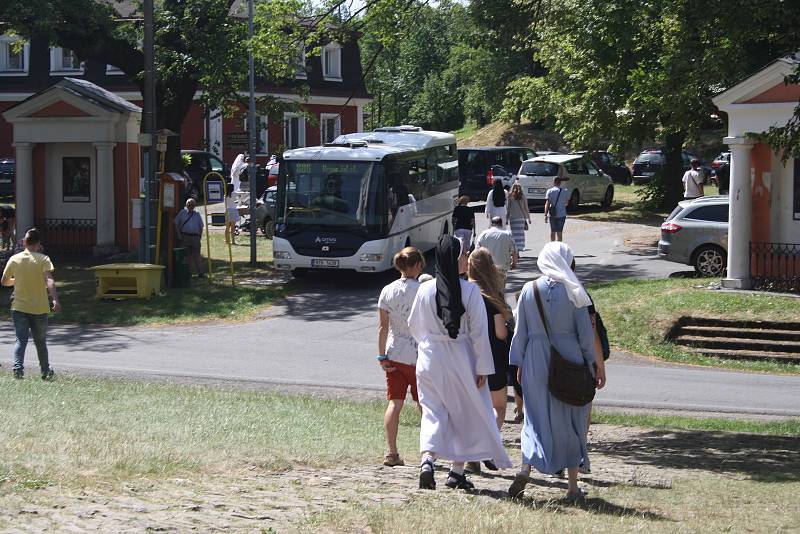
[775,266]
[68,236]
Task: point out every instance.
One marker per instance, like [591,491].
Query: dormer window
[64,61]
[332,62]
[300,62]
[13,56]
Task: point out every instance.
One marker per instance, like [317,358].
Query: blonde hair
[516,191]
[408,258]
[463,200]
[484,273]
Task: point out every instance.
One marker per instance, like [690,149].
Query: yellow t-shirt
[30,291]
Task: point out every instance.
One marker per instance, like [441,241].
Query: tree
[631,71]
[198,46]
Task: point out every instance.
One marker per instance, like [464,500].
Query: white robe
[458,423]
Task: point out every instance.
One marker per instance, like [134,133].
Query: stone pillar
[105,196]
[740,214]
[359,118]
[24,187]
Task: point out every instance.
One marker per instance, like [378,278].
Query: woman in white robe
[448,321]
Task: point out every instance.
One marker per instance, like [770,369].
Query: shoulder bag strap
[557,197]
[541,309]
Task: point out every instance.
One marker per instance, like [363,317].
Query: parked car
[719,161]
[6,177]
[618,171]
[197,165]
[585,181]
[651,161]
[696,234]
[479,166]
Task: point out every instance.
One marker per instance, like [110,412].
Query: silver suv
[696,233]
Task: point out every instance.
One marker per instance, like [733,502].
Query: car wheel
[709,261]
[608,198]
[574,200]
[268,228]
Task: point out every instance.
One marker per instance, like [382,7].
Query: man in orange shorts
[397,350]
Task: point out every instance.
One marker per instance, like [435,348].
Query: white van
[586,183]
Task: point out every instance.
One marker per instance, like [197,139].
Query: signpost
[214,187]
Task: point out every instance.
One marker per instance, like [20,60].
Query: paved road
[326,337]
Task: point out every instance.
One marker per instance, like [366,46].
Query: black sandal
[490,465]
[456,481]
[426,480]
[517,488]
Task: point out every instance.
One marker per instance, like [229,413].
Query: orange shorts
[398,381]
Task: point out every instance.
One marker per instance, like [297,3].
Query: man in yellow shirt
[31,274]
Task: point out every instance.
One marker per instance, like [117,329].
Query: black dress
[462,218]
[499,379]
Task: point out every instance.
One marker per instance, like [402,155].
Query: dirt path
[251,499]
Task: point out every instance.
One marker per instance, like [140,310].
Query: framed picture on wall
[76,178]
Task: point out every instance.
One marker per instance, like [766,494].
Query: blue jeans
[36,324]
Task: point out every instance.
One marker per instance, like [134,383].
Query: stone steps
[748,340]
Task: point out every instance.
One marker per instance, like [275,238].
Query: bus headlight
[282,255]
[371,257]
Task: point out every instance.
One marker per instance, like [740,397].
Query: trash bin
[181,276]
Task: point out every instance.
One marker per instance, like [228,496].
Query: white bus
[352,204]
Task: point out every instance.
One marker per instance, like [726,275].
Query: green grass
[76,429]
[468,130]
[201,302]
[638,313]
[783,427]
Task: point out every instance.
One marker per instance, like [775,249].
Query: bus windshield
[332,194]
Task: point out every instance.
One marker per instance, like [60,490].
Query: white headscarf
[555,261]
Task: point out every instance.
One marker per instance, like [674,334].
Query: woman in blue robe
[554,433]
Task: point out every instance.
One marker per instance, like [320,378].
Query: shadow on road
[759,457]
[78,338]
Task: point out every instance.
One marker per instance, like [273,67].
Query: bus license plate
[328,264]
[535,191]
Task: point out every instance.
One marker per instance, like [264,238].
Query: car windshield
[539,168]
[650,157]
[332,194]
[6,168]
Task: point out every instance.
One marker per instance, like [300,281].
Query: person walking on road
[189,227]
[552,310]
[483,272]
[555,209]
[448,321]
[693,181]
[30,273]
[496,202]
[501,247]
[464,222]
[397,350]
[519,216]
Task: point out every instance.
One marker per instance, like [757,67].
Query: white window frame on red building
[57,62]
[288,117]
[331,58]
[324,118]
[6,44]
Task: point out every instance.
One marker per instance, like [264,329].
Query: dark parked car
[7,177]
[479,166]
[197,165]
[651,161]
[618,171]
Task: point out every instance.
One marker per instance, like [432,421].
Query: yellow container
[127,280]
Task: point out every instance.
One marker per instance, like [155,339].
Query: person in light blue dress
[554,433]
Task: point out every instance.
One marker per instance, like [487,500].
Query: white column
[740,214]
[105,194]
[24,186]
[359,118]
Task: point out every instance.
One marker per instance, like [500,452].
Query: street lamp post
[252,133]
[149,130]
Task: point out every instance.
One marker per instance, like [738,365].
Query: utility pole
[251,138]
[150,158]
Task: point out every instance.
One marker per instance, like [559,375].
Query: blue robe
[554,433]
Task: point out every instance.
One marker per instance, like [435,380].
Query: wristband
[381,357]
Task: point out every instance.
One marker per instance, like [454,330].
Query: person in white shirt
[555,209]
[501,246]
[693,181]
[397,350]
[239,165]
[232,215]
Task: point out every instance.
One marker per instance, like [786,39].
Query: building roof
[97,95]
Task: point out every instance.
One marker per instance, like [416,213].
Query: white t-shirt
[500,244]
[692,183]
[397,299]
[230,203]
